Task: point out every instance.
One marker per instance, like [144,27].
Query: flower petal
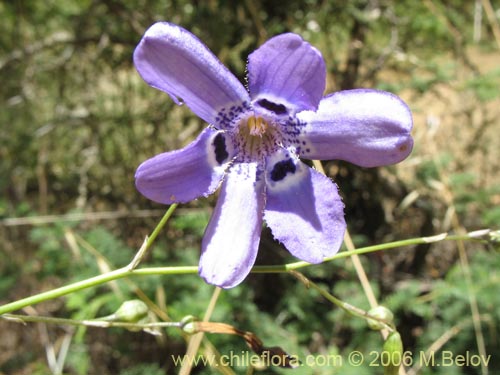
[303,209]
[286,73]
[186,174]
[231,240]
[173,60]
[366,127]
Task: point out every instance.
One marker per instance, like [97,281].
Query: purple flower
[254,142]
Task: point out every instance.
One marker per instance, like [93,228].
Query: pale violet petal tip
[366,127]
[173,60]
[186,174]
[232,237]
[286,73]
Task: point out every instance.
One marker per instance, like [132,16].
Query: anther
[256,126]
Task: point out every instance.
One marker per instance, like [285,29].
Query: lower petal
[366,127]
[231,240]
[304,210]
[186,174]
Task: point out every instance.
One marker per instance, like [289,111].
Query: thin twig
[195,340]
[79,216]
[439,343]
[492,19]
[363,278]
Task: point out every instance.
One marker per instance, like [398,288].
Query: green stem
[347,307]
[365,250]
[92,282]
[127,272]
[161,224]
[87,323]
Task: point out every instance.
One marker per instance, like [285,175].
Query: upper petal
[173,60]
[366,127]
[186,174]
[303,209]
[286,73]
[232,237]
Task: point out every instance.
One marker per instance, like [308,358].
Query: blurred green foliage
[76,121]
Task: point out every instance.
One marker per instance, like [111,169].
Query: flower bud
[189,328]
[392,354]
[495,236]
[380,312]
[131,311]
[188,324]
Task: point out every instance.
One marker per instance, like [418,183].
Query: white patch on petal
[283,170]
[219,150]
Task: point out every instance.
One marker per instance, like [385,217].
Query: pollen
[257,126]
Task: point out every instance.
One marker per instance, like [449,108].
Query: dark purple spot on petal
[279,109]
[219,144]
[281,169]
